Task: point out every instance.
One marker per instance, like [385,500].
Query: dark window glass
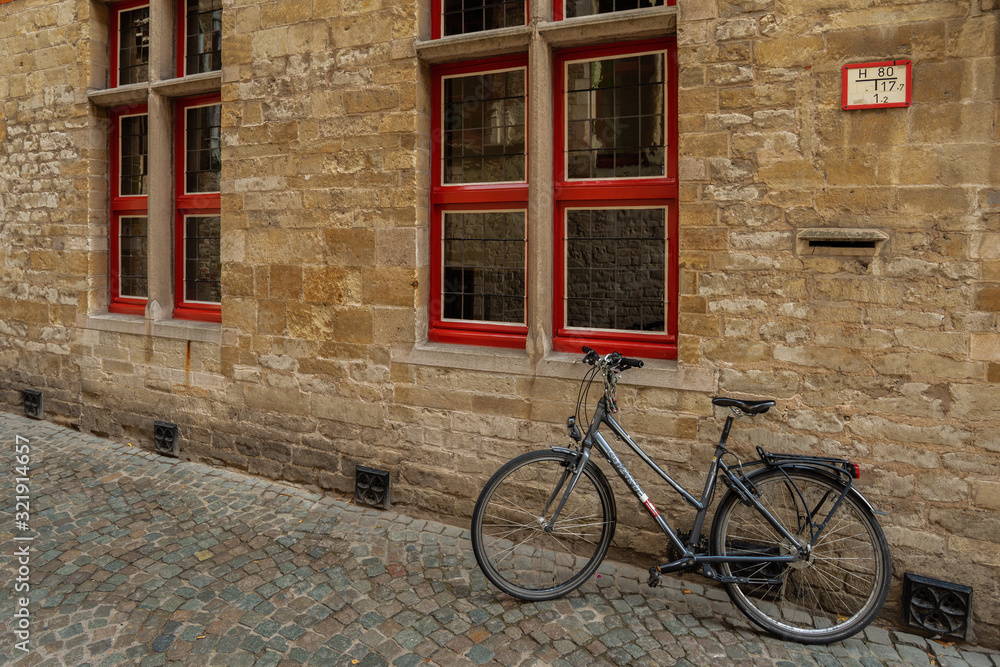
[616,269]
[464,16]
[202,266]
[204,149]
[615,117]
[133,46]
[483,128]
[484,277]
[590,7]
[204,36]
[133,147]
[132,253]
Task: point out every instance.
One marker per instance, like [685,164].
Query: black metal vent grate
[936,606]
[371,487]
[165,438]
[32,403]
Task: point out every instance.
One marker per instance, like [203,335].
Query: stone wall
[45,251]
[890,356]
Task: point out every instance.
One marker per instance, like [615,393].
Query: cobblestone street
[142,560]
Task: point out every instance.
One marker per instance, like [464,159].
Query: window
[616,199]
[198,164]
[171,251]
[200,39]
[573,8]
[459,17]
[129,219]
[129,43]
[479,203]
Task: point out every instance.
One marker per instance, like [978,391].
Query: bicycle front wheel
[828,597]
[509,539]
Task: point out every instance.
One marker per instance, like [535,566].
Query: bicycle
[796,546]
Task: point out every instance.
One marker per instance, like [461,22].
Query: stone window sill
[188,86]
[661,373]
[205,332]
[635,24]
[138,93]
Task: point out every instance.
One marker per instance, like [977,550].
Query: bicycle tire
[834,594]
[509,541]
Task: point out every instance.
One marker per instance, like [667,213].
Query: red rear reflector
[855,470]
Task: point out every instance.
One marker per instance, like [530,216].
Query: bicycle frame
[690,559]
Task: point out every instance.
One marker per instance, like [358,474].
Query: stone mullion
[162,40]
[161,208]
[162,66]
[540,197]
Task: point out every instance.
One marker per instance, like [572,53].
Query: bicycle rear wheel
[508,537]
[828,597]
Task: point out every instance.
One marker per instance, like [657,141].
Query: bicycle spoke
[829,594]
[509,538]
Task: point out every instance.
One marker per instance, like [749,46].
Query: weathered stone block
[975,402]
[285,282]
[349,247]
[326,284]
[988,298]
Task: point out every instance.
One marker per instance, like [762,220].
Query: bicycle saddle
[749,407]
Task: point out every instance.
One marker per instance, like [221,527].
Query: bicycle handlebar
[628,362]
[614,359]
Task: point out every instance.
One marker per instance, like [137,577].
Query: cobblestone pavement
[142,560]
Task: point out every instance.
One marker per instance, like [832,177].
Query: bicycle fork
[581,462]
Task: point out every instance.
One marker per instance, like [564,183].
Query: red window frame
[505,196]
[114,28]
[186,205]
[437,23]
[122,206]
[559,9]
[640,192]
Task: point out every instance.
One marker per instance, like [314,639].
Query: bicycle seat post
[724,438]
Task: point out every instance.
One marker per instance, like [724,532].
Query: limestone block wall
[890,356]
[322,182]
[45,250]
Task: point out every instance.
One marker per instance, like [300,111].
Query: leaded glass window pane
[133,46]
[483,128]
[616,269]
[203,131]
[133,155]
[132,256]
[465,16]
[204,36]
[484,266]
[590,7]
[202,265]
[615,126]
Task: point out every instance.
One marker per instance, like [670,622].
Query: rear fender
[834,474]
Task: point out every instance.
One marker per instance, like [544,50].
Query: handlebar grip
[627,362]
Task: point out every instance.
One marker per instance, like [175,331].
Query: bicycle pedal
[654,577]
